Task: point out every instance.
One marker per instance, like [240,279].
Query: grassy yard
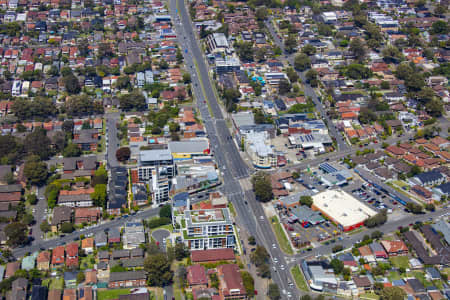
[369,296]
[421,276]
[54,283]
[299,279]
[86,262]
[394,276]
[400,261]
[111,294]
[283,241]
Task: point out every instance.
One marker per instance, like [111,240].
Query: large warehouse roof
[342,207]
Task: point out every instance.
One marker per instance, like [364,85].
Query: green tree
[249,283]
[181,251]
[123,154]
[311,77]
[261,13]
[262,186]
[324,29]
[45,227]
[284,86]
[309,50]
[292,75]
[80,277]
[35,171]
[72,150]
[358,49]
[302,62]
[392,293]
[440,27]
[16,233]
[123,82]
[414,207]
[290,44]
[100,176]
[245,51]
[67,227]
[158,270]
[99,195]
[134,100]
[37,143]
[273,292]
[306,200]
[27,219]
[32,199]
[165,211]
[186,78]
[82,105]
[260,256]
[71,84]
[337,265]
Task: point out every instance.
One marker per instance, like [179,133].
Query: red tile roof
[212,255]
[196,275]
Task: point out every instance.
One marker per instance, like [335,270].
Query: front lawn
[400,261]
[394,276]
[299,279]
[111,294]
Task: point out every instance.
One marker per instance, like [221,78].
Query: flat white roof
[342,207]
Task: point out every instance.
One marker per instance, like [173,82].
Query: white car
[282,267]
[261,218]
[274,246]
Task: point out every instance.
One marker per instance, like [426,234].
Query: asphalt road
[39,215]
[224,148]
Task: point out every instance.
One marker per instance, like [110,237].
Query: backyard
[111,294]
[400,261]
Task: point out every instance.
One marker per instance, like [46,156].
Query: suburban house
[76,198]
[61,214]
[58,256]
[72,255]
[428,178]
[196,276]
[127,279]
[86,139]
[395,248]
[212,255]
[43,261]
[231,283]
[87,215]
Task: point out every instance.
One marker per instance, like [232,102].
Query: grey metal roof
[132,275]
[193,146]
[153,155]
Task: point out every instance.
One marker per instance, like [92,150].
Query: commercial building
[319,275]
[208,229]
[134,235]
[342,208]
[217,42]
[183,150]
[257,145]
[151,159]
[315,142]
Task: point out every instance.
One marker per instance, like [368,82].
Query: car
[274,246]
[261,218]
[282,267]
[246,203]
[77,238]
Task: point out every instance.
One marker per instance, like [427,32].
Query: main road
[250,214]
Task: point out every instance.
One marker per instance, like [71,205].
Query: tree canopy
[262,186]
[158,270]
